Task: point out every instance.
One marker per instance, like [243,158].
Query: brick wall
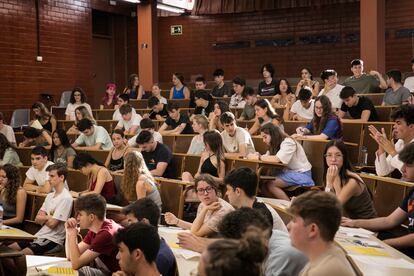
[65,44]
[192,53]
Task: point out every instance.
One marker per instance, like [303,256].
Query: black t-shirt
[267,89]
[163,113]
[220,92]
[184,119]
[408,206]
[263,209]
[363,104]
[207,110]
[161,154]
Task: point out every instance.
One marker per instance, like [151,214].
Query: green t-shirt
[364,84]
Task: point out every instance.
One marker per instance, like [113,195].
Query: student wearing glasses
[210,211]
[77,98]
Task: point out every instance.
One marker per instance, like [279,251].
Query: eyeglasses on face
[205,190]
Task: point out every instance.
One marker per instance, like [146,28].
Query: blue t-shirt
[332,128]
[165,260]
[178,94]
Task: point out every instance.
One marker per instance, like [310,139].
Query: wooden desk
[112,208]
[14,234]
[371,255]
[187,260]
[39,265]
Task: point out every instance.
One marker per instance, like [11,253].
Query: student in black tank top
[115,160]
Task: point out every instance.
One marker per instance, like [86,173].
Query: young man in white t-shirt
[236,140]
[146,124]
[122,100]
[129,122]
[56,209]
[37,178]
[302,109]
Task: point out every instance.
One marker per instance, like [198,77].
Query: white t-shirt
[117,115]
[127,125]
[409,83]
[298,109]
[242,136]
[237,101]
[292,154]
[333,95]
[157,137]
[163,100]
[40,177]
[70,110]
[9,133]
[59,207]
[99,135]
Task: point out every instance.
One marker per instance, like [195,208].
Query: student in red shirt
[98,243]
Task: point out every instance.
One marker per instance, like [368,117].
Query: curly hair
[4,145]
[13,183]
[134,167]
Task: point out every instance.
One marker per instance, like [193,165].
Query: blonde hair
[85,114]
[201,120]
[134,167]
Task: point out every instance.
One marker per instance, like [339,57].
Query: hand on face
[332,173]
[214,206]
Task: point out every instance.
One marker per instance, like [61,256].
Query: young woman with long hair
[77,98]
[8,154]
[341,179]
[214,117]
[179,89]
[325,125]
[137,181]
[284,94]
[45,118]
[134,89]
[265,113]
[115,160]
[61,151]
[13,197]
[200,126]
[307,81]
[100,181]
[109,99]
[286,150]
[212,160]
[81,112]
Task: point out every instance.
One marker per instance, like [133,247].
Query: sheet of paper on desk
[171,230]
[383,261]
[370,251]
[354,231]
[187,254]
[33,260]
[276,202]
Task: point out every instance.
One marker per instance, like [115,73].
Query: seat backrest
[20,117]
[65,98]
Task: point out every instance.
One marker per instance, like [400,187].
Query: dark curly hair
[4,145]
[13,183]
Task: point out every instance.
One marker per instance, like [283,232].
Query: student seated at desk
[99,178]
[156,92]
[62,151]
[97,246]
[123,99]
[137,181]
[157,156]
[237,100]
[265,113]
[92,137]
[200,126]
[210,211]
[138,247]
[341,179]
[212,160]
[81,112]
[148,125]
[235,257]
[396,94]
[219,108]
[249,113]
[115,159]
[13,197]
[134,89]
[236,140]
[77,99]
[56,209]
[8,154]
[360,108]
[284,94]
[109,99]
[35,137]
[45,118]
[7,130]
[144,210]
[179,90]
[284,149]
[316,219]
[204,103]
[386,157]
[129,122]
[404,243]
[302,109]
[158,109]
[178,121]
[325,125]
[221,89]
[37,178]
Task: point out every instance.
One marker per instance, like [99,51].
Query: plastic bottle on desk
[364,156]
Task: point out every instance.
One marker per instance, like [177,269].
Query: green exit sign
[176,29]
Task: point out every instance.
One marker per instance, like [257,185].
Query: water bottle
[1,216]
[364,156]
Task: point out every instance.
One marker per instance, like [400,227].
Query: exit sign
[176,29]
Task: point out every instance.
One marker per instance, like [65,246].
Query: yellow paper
[61,270]
[174,245]
[9,231]
[366,250]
